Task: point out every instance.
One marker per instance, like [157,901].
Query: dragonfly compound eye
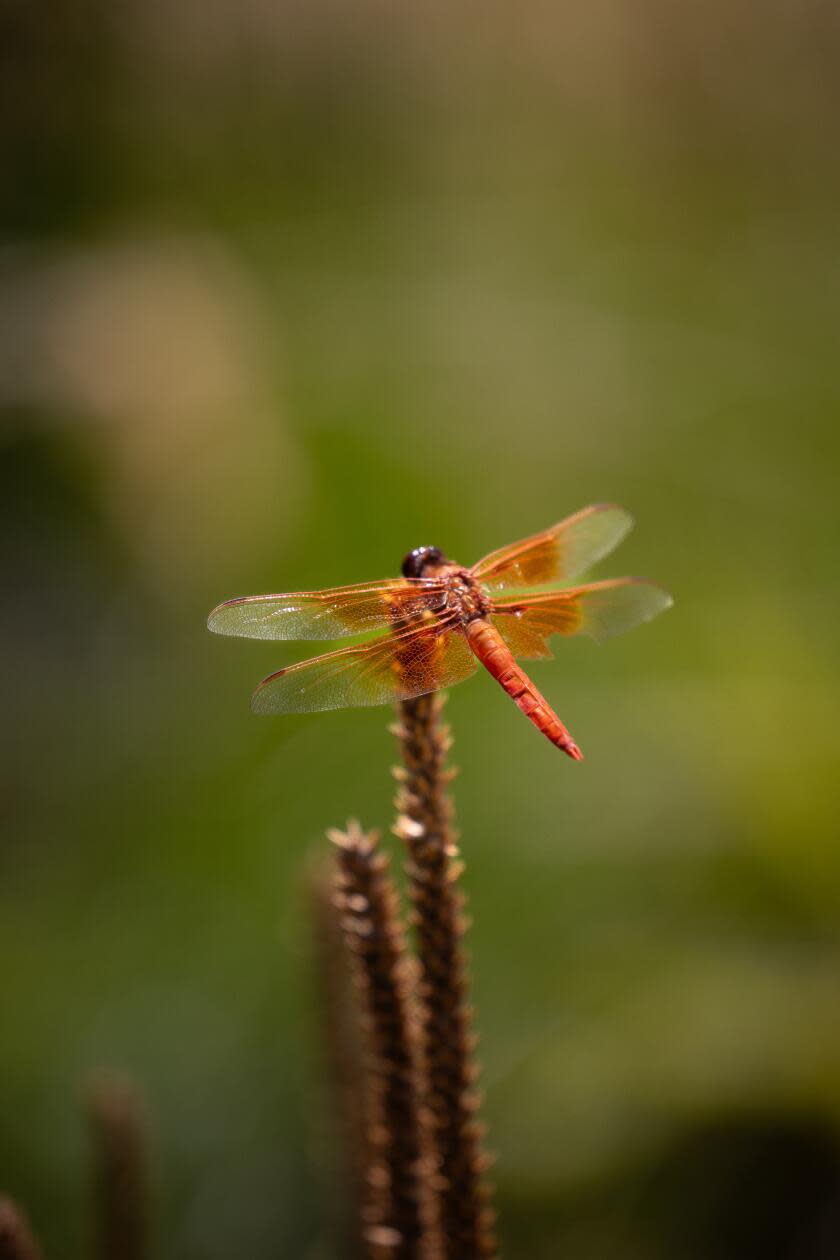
[417,560]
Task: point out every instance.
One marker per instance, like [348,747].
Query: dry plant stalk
[373,935]
[341,1038]
[16,1239]
[121,1172]
[464,1228]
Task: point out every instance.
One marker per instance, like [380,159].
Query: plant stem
[16,1238]
[118,1132]
[374,937]
[465,1220]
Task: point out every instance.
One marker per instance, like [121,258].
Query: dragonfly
[439,621]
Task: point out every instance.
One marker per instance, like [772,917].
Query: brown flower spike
[374,937]
[465,1221]
[344,1065]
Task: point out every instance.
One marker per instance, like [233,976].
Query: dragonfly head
[419,559]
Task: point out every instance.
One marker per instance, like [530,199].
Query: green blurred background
[287,289]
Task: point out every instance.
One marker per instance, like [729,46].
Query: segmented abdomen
[497,659]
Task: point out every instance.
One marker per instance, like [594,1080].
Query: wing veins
[339,661]
[566,549]
[331,613]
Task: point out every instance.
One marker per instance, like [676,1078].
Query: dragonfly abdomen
[497,658]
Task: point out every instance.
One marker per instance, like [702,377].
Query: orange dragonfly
[440,620]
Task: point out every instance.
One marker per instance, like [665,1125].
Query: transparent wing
[395,666]
[558,554]
[328,614]
[600,610]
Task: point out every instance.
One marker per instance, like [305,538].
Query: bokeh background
[286,289]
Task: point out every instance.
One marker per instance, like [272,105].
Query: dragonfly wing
[600,609]
[395,666]
[328,614]
[558,554]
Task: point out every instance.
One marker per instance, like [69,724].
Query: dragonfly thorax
[463,592]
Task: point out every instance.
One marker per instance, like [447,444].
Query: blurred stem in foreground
[16,1238]
[464,1228]
[373,933]
[120,1168]
[341,1039]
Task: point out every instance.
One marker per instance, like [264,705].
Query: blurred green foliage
[284,292]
